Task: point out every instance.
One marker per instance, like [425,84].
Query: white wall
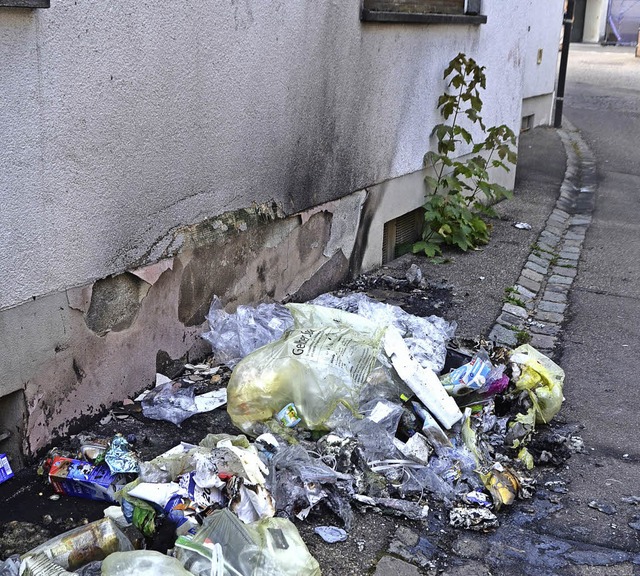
[595,21]
[123,120]
[544,24]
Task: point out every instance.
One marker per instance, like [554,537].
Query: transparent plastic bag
[142,563]
[233,336]
[170,402]
[270,547]
[322,362]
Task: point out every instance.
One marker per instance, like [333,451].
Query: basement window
[423,11]
[400,234]
[25,3]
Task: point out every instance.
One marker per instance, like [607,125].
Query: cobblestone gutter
[548,274]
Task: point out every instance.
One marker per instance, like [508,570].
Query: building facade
[154,155]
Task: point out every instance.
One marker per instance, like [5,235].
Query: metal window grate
[400,231]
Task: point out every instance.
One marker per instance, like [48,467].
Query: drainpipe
[564,58]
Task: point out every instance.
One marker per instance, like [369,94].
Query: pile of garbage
[340,405]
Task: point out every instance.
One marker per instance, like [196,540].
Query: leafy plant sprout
[461,193]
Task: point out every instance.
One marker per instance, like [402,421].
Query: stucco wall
[123,120]
[543,28]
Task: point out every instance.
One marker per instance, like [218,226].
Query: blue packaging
[5,469]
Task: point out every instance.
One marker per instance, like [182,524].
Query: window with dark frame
[423,11]
[25,3]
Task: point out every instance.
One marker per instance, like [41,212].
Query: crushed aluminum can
[288,416]
[5,469]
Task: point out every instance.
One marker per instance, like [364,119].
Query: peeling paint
[151,273]
[80,298]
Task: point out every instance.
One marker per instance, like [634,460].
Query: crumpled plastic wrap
[426,338]
[233,336]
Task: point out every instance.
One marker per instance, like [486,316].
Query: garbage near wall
[341,405]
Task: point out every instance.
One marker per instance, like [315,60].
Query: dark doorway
[577,30]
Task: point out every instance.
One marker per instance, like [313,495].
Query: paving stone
[536,267]
[571,249]
[549,317]
[515,310]
[390,565]
[548,247]
[562,271]
[529,284]
[555,231]
[550,296]
[574,236]
[551,236]
[543,342]
[557,279]
[503,335]
[558,288]
[580,220]
[564,263]
[569,255]
[509,320]
[569,244]
[524,292]
[539,260]
[532,275]
[545,329]
[557,307]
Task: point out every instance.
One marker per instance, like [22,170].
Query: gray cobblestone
[543,342]
[580,220]
[508,320]
[565,263]
[515,310]
[561,288]
[569,255]
[536,268]
[545,330]
[557,307]
[557,279]
[549,317]
[568,244]
[574,236]
[571,249]
[532,275]
[525,292]
[539,260]
[554,231]
[503,335]
[529,284]
[545,246]
[549,296]
[561,271]
[390,565]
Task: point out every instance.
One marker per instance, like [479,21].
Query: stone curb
[538,304]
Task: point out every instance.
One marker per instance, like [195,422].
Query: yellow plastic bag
[543,378]
[324,360]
